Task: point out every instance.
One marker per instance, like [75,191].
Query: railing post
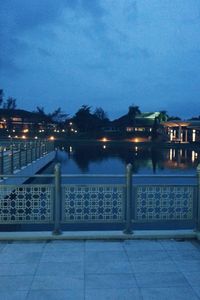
[31,152]
[2,161]
[198,197]
[20,155]
[26,153]
[11,159]
[128,229]
[58,197]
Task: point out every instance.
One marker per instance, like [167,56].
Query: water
[112,159]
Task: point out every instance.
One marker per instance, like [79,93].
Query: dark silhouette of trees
[133,111]
[101,114]
[163,116]
[10,103]
[84,120]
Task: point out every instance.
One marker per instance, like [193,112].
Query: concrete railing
[15,156]
[126,200]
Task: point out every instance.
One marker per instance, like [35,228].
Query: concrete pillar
[179,132]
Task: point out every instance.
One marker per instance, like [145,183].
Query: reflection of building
[181,131]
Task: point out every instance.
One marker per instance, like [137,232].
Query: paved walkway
[95,270]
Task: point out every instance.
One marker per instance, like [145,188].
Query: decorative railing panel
[26,204]
[161,202]
[93,203]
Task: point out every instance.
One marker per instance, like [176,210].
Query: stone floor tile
[154,266]
[2,245]
[57,282]
[197,290]
[185,255]
[15,283]
[13,295]
[188,265]
[103,246]
[113,294]
[109,281]
[160,279]
[20,257]
[169,293]
[108,267]
[64,245]
[193,278]
[62,256]
[143,255]
[61,269]
[17,269]
[70,294]
[104,256]
[141,245]
[173,245]
[24,247]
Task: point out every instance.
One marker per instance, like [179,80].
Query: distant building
[182,131]
[22,121]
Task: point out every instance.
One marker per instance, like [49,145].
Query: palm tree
[132,113]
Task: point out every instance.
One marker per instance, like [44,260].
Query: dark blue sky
[109,53]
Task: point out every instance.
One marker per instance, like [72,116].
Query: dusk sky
[108,53]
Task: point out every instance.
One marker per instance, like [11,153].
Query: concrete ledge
[29,170]
[99,235]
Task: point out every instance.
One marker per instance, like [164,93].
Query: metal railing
[14,156]
[127,203]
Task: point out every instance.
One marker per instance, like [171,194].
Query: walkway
[96,270]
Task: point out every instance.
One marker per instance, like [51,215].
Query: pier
[24,159]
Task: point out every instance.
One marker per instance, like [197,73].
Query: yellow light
[52,138]
[136,140]
[23,137]
[25,130]
[104,139]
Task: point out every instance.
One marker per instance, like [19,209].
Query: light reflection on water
[106,159]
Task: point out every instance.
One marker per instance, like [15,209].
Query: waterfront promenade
[131,269]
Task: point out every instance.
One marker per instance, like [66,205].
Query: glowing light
[104,139]
[23,137]
[136,140]
[52,138]
[75,131]
[25,130]
[136,148]
[193,135]
[104,146]
[36,137]
[193,156]
[70,149]
[70,123]
[16,136]
[171,154]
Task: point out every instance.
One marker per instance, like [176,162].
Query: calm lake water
[112,159]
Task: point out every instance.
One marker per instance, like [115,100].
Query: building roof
[26,116]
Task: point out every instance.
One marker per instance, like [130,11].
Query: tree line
[85,119]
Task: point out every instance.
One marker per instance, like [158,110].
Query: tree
[133,111]
[10,103]
[100,114]
[163,116]
[40,111]
[58,115]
